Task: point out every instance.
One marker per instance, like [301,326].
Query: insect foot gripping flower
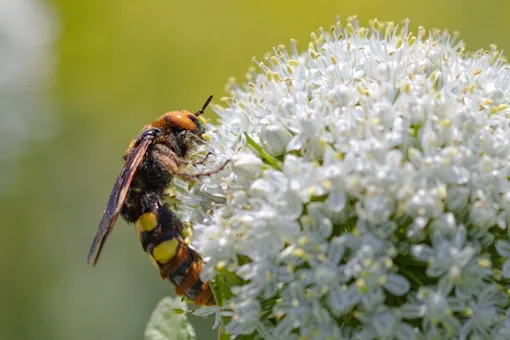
[369,193]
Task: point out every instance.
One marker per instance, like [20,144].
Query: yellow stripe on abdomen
[146,222]
[165,251]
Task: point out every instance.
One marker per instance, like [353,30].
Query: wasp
[153,158]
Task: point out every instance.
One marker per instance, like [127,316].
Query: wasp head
[178,121]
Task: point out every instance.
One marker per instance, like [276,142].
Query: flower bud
[246,165]
[275,139]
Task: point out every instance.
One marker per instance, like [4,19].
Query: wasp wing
[117,197]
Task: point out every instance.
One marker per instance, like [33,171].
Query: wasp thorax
[184,120]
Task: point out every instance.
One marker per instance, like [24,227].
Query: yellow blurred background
[78,79]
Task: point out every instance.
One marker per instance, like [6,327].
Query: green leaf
[221,286]
[222,335]
[169,322]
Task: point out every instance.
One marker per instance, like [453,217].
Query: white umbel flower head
[368,195]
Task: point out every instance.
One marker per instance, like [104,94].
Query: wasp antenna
[205,106]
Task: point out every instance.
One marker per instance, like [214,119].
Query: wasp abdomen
[176,261]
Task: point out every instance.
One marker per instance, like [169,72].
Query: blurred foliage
[169,321]
[119,64]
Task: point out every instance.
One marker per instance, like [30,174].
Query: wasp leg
[185,175]
[185,135]
[164,150]
[195,163]
[196,140]
[171,162]
[168,159]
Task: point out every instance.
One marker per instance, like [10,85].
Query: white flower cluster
[369,193]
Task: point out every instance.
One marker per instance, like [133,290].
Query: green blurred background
[78,79]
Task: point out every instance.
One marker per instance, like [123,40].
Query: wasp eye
[194,119]
[199,127]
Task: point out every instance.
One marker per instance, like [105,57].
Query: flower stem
[265,156]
